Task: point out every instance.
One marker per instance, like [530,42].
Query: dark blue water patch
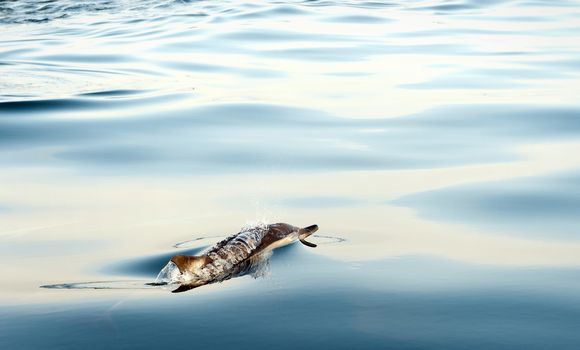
[84,103]
[341,48]
[30,134]
[365,50]
[359,19]
[280,11]
[6,54]
[319,303]
[57,68]
[516,122]
[114,93]
[457,6]
[538,207]
[279,138]
[86,58]
[213,68]
[346,49]
[121,155]
[460,6]
[28,106]
[255,35]
[544,3]
[353,3]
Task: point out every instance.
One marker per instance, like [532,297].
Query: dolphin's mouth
[305,232]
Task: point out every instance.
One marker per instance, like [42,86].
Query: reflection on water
[545,206]
[436,141]
[475,306]
[278,139]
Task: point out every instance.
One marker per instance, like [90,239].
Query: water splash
[257,267]
[259,224]
[129,284]
[169,274]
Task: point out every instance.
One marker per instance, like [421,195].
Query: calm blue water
[434,142]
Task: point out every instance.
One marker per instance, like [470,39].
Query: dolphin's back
[230,252]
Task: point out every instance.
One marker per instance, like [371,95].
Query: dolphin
[235,255]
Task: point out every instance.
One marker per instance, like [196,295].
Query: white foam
[169,274]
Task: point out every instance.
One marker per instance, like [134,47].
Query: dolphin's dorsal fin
[189,263]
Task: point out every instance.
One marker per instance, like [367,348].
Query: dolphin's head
[287,233]
[305,232]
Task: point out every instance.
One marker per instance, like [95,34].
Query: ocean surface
[436,143]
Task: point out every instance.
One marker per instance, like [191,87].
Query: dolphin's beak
[305,232]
